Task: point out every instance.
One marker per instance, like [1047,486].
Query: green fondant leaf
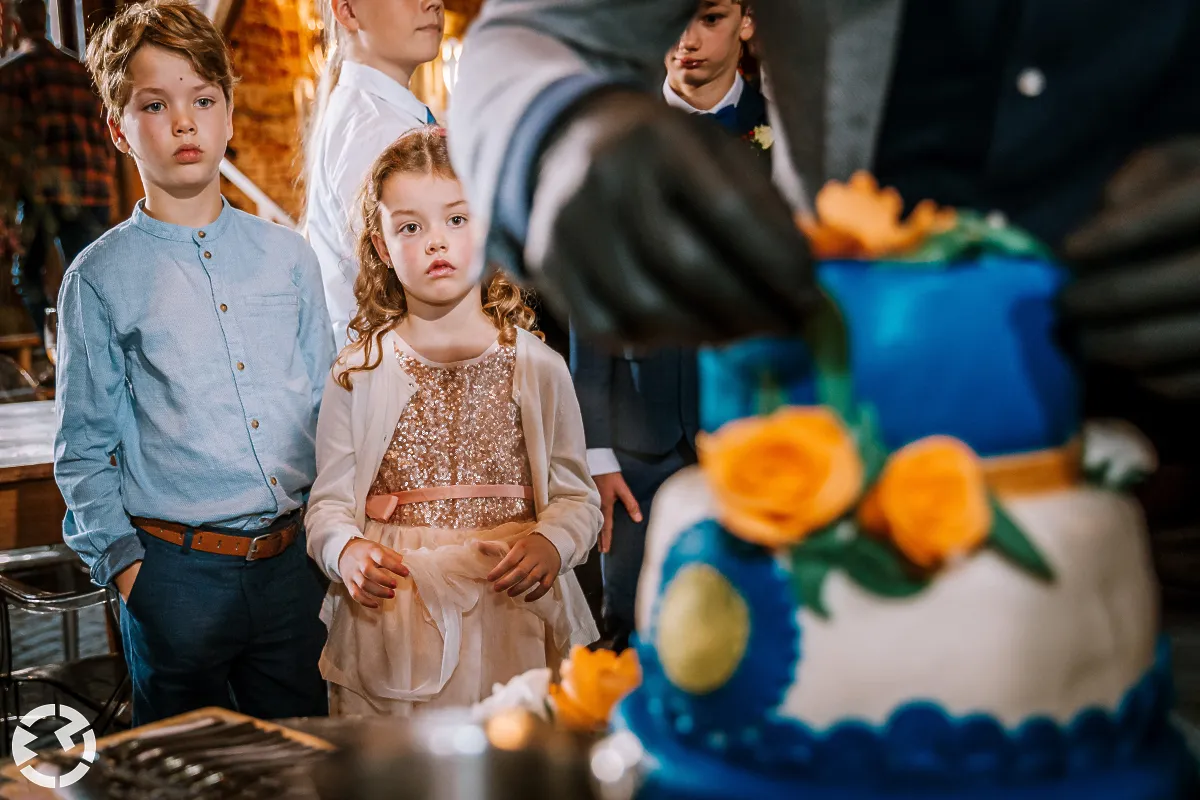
[879,568]
[771,395]
[972,235]
[937,251]
[1105,475]
[1010,241]
[1011,542]
[870,443]
[829,343]
[825,544]
[808,579]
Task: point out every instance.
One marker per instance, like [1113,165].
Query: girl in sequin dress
[452,498]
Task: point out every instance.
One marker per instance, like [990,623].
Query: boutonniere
[761,137]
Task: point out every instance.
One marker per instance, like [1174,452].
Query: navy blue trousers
[622,564]
[201,629]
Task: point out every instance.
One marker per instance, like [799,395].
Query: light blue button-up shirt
[190,368]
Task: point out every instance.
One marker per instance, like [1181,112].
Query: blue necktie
[429,118]
[727,118]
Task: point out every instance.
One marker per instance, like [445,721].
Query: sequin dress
[446,638]
[461,427]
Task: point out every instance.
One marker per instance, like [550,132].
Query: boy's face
[427,237]
[407,33]
[710,47]
[175,124]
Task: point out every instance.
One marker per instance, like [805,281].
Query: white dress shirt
[603,460]
[731,98]
[367,112]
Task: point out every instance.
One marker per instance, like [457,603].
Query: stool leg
[71,635]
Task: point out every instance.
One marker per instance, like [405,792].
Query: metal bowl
[448,756]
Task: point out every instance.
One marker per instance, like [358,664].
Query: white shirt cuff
[602,461]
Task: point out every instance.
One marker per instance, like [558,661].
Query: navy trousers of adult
[622,564]
[69,230]
[202,629]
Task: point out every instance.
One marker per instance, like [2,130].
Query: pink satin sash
[380,507]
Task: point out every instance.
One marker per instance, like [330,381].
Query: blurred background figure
[64,170]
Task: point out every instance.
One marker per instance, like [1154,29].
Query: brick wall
[270,43]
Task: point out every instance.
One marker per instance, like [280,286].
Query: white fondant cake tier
[984,636]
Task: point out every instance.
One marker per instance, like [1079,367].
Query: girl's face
[406,33]
[426,238]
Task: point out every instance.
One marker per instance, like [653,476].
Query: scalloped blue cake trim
[922,748]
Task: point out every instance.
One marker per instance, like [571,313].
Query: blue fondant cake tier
[967,349]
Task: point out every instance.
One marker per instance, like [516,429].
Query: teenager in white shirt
[363,105]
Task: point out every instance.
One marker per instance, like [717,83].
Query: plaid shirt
[52,125]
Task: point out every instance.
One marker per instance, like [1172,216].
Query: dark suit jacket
[642,403]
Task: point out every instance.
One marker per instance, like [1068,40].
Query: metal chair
[52,580]
[16,384]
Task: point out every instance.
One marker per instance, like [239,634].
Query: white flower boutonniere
[763,136]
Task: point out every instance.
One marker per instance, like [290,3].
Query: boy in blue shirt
[193,348]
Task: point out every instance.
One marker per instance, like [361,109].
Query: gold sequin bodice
[460,428]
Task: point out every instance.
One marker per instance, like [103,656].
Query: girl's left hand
[532,562]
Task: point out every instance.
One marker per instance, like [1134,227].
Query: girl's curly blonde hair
[380,296]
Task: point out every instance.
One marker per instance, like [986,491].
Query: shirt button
[207,254]
[254,424]
[1031,82]
[224,307]
[274,482]
[240,366]
[200,234]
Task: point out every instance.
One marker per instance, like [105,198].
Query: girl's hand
[532,562]
[369,571]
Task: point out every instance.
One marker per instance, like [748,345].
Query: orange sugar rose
[931,501]
[858,219]
[593,682]
[778,478]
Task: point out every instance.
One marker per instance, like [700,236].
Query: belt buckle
[252,553]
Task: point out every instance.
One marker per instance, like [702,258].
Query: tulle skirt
[446,638]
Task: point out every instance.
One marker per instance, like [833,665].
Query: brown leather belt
[266,545]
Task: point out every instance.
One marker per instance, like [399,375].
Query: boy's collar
[182,233]
[372,81]
[731,98]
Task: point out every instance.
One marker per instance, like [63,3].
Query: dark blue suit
[644,406]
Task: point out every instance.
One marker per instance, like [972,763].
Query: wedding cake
[895,572]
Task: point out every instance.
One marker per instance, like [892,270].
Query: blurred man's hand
[1136,301]
[650,226]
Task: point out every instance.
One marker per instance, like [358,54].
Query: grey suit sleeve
[591,372]
[515,55]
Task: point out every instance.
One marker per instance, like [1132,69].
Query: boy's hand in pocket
[126,579]
[369,571]
[532,563]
